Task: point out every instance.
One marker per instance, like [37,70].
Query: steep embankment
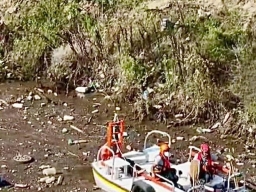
[198,63]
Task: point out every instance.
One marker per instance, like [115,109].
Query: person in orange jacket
[206,163]
[162,165]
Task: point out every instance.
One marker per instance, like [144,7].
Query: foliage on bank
[195,66]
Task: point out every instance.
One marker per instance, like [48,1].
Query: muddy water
[40,132]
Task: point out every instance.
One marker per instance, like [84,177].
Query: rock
[37,97]
[42,180]
[118,108]
[1,108]
[49,91]
[17,105]
[82,89]
[179,138]
[3,166]
[29,98]
[68,118]
[50,180]
[42,104]
[49,171]
[64,130]
[9,75]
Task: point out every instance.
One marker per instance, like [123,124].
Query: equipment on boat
[115,171]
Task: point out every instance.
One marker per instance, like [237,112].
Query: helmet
[164,147]
[205,148]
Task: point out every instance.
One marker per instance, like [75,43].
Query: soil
[37,131]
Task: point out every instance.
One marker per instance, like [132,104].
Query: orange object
[113,134]
[220,168]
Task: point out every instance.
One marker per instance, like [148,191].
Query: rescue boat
[114,172]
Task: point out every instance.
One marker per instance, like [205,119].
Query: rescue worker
[162,165]
[206,168]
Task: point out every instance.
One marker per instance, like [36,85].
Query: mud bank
[40,130]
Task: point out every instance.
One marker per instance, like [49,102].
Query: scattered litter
[68,118]
[60,180]
[20,185]
[17,105]
[82,89]
[44,167]
[95,111]
[216,125]
[49,171]
[194,138]
[22,158]
[179,138]
[77,129]
[72,142]
[179,116]
[226,118]
[50,180]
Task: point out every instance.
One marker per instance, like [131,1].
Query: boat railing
[167,180]
[157,132]
[191,148]
[108,148]
[234,176]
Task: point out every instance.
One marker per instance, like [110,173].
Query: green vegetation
[197,65]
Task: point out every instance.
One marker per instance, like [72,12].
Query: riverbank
[195,58]
[39,130]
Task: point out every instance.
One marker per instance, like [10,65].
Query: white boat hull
[105,184]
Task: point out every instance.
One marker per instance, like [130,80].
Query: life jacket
[205,163]
[166,163]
